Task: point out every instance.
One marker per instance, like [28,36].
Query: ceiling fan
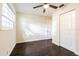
[46,5]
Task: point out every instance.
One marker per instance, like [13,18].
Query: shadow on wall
[33,31]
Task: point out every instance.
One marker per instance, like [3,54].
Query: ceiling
[27,8]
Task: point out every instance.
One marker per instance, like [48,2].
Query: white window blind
[8,18]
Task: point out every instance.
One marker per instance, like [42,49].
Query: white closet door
[67,30]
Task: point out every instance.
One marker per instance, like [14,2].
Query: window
[8,18]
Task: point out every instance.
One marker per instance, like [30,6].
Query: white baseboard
[31,40]
[11,50]
[77,53]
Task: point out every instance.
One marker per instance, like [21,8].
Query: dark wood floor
[40,48]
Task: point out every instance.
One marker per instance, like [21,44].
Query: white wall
[57,19]
[7,38]
[55,29]
[33,27]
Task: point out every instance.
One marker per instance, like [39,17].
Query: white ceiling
[28,9]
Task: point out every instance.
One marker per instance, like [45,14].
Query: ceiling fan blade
[61,5]
[37,6]
[52,6]
[44,10]
[45,3]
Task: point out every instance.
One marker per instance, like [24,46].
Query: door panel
[67,30]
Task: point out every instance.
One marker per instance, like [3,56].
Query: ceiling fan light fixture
[46,6]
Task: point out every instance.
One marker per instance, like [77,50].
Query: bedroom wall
[7,38]
[33,27]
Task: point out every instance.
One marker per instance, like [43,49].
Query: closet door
[67,30]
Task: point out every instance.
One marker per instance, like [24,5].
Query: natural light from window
[7,17]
